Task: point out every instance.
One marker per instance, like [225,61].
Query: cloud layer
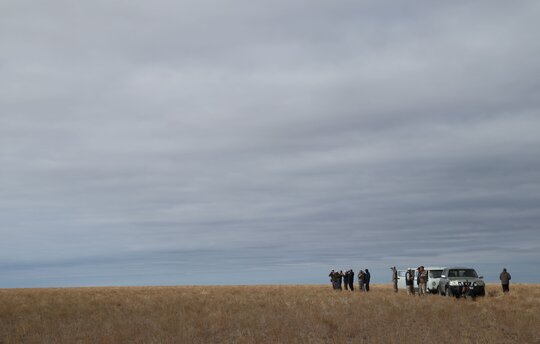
[263,142]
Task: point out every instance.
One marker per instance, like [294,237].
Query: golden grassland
[265,314]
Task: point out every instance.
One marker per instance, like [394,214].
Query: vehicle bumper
[476,291]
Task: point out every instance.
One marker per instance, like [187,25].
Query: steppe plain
[265,314]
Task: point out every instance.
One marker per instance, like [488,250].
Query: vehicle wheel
[447,292]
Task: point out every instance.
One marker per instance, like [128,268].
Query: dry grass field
[264,314]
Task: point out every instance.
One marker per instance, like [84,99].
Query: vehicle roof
[427,268]
[459,268]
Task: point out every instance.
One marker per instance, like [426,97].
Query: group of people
[421,280]
[346,279]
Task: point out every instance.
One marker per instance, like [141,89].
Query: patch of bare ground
[264,314]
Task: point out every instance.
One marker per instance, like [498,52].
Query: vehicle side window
[401,273]
[452,273]
[435,273]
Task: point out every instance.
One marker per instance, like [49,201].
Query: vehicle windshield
[462,273]
[435,273]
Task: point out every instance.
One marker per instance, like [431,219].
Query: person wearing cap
[505,281]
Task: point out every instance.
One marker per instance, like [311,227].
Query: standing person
[394,278]
[422,280]
[346,279]
[417,272]
[366,280]
[505,281]
[333,279]
[409,281]
[340,279]
[336,280]
[351,279]
[361,277]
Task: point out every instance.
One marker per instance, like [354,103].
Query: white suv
[434,275]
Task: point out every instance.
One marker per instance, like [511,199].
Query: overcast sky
[241,142]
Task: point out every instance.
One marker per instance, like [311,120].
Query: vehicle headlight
[453,283]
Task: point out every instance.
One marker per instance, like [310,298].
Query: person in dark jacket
[346,279]
[505,281]
[367,277]
[409,281]
[340,280]
[351,279]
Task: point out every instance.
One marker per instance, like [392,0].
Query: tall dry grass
[264,314]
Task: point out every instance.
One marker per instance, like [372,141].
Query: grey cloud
[143,140]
